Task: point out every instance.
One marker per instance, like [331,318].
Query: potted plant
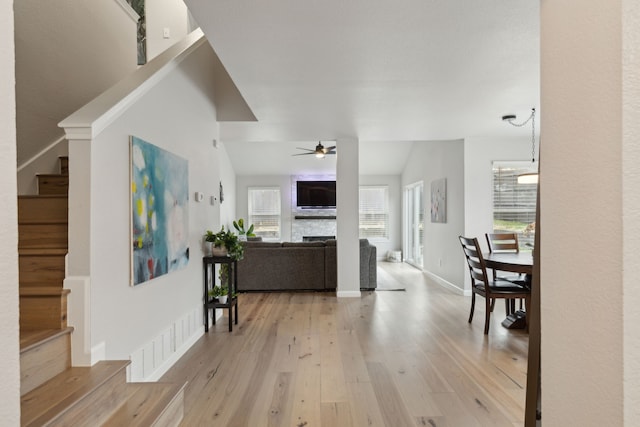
[209,240]
[239,225]
[220,293]
[225,243]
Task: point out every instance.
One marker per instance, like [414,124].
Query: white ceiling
[383,72]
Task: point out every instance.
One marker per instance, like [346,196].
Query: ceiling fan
[320,151]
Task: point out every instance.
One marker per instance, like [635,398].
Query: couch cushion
[330,265]
[282,269]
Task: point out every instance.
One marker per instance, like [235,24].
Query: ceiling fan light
[320,154]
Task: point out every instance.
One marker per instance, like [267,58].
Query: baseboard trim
[348,294]
[446,284]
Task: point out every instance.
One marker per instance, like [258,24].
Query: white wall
[165,14]
[281,181]
[177,114]
[430,161]
[228,179]
[631,208]
[590,198]
[479,155]
[394,242]
[9,339]
[67,53]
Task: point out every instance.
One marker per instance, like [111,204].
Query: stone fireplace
[313,227]
[309,223]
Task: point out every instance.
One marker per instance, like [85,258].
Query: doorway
[414,224]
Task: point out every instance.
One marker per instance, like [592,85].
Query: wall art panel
[159,211]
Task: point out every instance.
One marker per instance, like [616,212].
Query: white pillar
[347,209]
[9,323]
[79,261]
[78,268]
[590,213]
[631,207]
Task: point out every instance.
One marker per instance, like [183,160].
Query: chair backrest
[502,242]
[475,261]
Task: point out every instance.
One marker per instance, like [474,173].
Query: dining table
[514,262]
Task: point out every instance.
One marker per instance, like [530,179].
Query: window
[374,212]
[264,211]
[414,224]
[514,204]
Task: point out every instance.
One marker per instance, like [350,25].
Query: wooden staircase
[53,392]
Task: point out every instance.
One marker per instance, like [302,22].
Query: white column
[590,205]
[631,207]
[9,323]
[347,209]
[78,265]
[79,205]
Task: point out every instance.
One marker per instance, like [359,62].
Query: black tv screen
[316,194]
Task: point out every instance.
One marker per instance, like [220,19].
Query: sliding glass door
[414,224]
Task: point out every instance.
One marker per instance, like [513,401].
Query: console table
[209,268]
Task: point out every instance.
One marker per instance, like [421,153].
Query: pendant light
[526,178]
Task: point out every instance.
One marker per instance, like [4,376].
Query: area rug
[386,282]
[382,288]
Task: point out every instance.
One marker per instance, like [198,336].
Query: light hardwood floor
[389,358]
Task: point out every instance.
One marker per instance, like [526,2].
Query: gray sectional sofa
[292,266]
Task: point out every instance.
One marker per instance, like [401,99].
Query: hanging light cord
[532,119]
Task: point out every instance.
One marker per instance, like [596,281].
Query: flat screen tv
[316,194]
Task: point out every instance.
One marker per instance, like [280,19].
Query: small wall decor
[221,193]
[159,211]
[138,6]
[439,200]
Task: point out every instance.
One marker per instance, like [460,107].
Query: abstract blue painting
[159,211]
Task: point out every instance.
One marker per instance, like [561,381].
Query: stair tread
[26,291]
[32,338]
[41,284]
[144,404]
[43,196]
[62,391]
[42,221]
[43,247]
[52,175]
[43,251]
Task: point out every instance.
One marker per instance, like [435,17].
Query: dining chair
[505,243]
[489,289]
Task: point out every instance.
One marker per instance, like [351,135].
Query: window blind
[264,211]
[514,204]
[374,212]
